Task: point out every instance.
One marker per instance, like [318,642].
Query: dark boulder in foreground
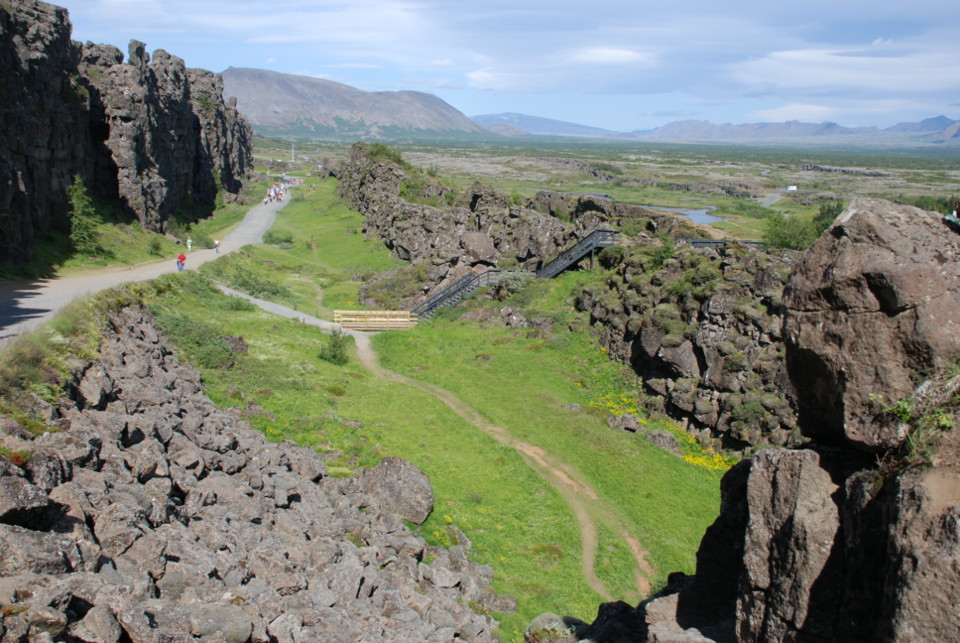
[874,303]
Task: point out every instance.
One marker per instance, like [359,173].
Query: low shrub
[199,340]
[276,238]
[335,350]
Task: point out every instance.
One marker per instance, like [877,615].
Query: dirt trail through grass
[588,507]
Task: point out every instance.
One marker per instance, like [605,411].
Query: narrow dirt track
[586,504]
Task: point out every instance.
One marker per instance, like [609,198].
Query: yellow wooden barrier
[375,319]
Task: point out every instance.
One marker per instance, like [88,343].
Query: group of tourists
[278,191]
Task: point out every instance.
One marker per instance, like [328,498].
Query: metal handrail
[471,282]
[597,239]
[467,282]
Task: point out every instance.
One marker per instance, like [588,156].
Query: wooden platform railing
[375,319]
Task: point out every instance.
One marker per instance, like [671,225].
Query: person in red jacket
[182,259]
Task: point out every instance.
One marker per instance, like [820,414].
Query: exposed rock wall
[44,139]
[481,228]
[874,303]
[821,544]
[149,134]
[154,515]
[703,331]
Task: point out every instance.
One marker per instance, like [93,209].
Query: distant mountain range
[296,106]
[300,107]
[939,129]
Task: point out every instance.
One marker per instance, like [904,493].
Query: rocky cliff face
[149,134]
[702,328]
[823,543]
[480,229]
[147,513]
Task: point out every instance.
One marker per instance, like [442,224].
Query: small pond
[700,215]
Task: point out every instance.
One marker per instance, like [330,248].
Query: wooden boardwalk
[375,319]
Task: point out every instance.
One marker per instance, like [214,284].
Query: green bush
[256,286]
[202,240]
[380,152]
[154,246]
[335,350]
[276,238]
[827,215]
[661,253]
[791,233]
[200,341]
[750,412]
[83,218]
[515,197]
[633,227]
[513,281]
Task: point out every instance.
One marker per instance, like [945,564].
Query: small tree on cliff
[83,218]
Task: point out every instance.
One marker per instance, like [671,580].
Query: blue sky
[613,64]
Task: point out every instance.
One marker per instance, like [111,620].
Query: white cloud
[271,60]
[446,62]
[356,65]
[925,68]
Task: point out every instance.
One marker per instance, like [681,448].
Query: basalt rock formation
[480,227]
[150,134]
[829,542]
[149,514]
[702,328]
[875,302]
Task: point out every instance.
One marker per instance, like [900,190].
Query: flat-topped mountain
[285,104]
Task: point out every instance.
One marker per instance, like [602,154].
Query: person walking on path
[216,245]
[182,259]
[189,244]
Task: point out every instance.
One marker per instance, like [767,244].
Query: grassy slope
[329,253]
[668,502]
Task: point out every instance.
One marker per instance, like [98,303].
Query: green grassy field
[320,271]
[482,487]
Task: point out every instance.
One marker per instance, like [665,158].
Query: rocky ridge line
[148,514]
[150,134]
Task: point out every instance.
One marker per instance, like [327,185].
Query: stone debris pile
[153,516]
